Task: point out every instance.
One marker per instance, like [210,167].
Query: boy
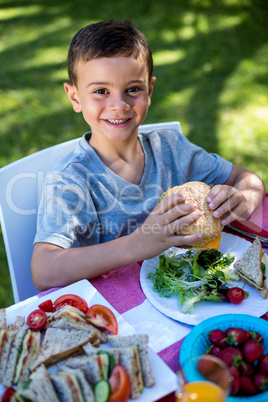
[100,209]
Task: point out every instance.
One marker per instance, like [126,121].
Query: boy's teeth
[117,121]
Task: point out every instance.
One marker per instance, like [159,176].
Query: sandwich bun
[210,227]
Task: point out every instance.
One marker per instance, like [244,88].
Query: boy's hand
[158,232]
[229,203]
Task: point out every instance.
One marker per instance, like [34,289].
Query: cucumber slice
[102,391]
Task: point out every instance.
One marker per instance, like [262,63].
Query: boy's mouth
[117,121]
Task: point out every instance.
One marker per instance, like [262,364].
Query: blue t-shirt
[84,202]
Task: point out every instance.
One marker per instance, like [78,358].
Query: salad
[196,275]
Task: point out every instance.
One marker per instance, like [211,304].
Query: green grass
[211,59]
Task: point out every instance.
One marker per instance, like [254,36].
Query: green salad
[194,276]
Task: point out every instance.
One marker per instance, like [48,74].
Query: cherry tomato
[236,295]
[70,300]
[120,384]
[7,395]
[46,306]
[37,319]
[103,317]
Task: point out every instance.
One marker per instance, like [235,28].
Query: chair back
[20,191]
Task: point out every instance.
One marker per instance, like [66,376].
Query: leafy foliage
[193,276]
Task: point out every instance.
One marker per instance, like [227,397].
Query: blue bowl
[196,342]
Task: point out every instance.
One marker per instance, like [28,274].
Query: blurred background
[211,64]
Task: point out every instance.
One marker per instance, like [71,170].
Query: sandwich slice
[252,268]
[210,227]
[29,350]
[130,360]
[3,320]
[59,344]
[141,342]
[67,387]
[13,357]
[39,388]
[70,317]
[88,365]
[85,388]
[6,341]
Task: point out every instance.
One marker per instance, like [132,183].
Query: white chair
[20,191]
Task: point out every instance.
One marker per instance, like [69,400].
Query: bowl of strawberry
[241,341]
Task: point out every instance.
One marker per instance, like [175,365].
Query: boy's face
[113,94]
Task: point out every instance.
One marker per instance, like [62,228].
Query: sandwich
[252,268]
[141,343]
[67,387]
[130,360]
[88,365]
[29,350]
[3,319]
[210,227]
[22,347]
[6,341]
[39,388]
[86,390]
[59,344]
[12,358]
[91,350]
[71,318]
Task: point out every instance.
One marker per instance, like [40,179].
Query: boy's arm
[54,266]
[238,197]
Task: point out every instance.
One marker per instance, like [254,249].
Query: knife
[248,234]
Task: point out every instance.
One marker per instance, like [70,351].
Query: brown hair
[108,39]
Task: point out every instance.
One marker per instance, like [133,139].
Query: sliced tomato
[103,317]
[7,395]
[236,295]
[82,308]
[120,384]
[70,300]
[46,306]
[37,319]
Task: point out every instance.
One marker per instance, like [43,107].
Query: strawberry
[214,350]
[231,356]
[252,351]
[235,380]
[261,381]
[246,369]
[236,336]
[247,386]
[265,316]
[218,337]
[263,364]
[255,337]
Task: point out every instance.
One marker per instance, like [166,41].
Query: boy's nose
[119,104]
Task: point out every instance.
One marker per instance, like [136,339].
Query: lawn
[210,57]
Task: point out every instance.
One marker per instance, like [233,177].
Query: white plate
[164,377]
[254,305]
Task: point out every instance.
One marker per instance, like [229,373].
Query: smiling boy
[99,209]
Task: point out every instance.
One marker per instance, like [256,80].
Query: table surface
[122,289]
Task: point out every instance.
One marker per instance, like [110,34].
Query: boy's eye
[101,91]
[133,89]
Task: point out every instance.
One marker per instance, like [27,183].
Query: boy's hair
[108,39]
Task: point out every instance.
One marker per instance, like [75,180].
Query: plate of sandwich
[68,357]
[190,291]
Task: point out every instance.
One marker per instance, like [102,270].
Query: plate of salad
[192,285]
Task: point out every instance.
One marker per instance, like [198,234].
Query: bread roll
[207,225]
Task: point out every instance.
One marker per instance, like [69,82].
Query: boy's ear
[151,87]
[71,91]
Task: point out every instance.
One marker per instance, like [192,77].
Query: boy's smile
[114,95]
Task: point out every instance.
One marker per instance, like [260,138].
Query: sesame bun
[210,227]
